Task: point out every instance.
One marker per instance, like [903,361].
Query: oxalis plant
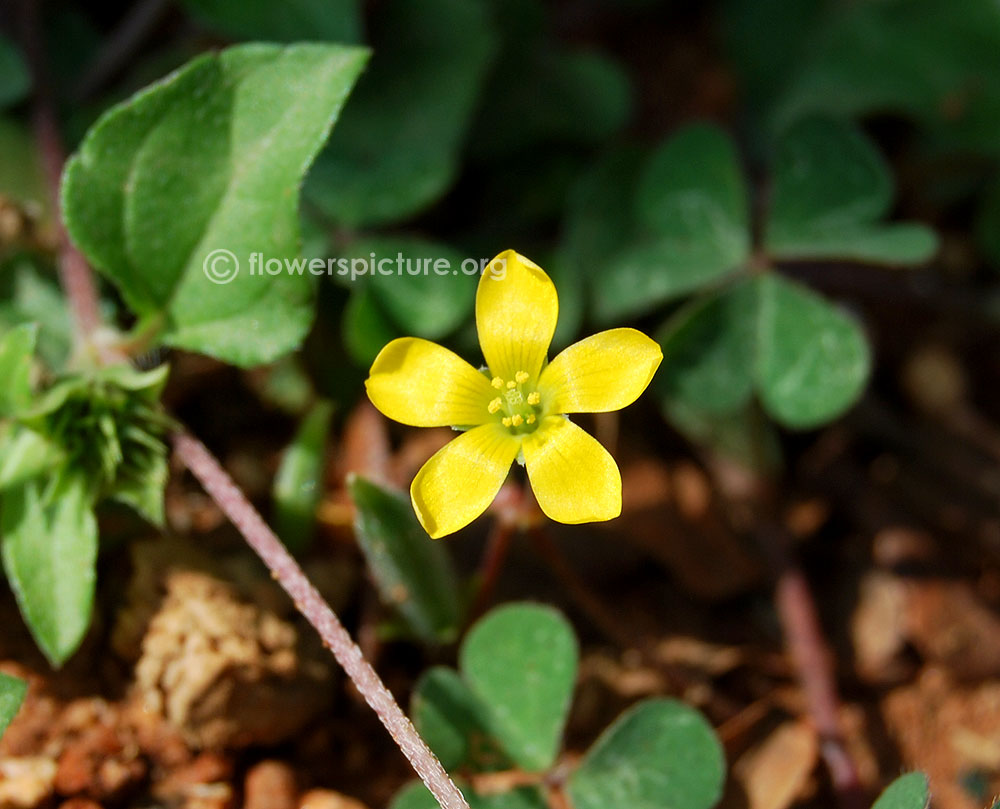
[165,194]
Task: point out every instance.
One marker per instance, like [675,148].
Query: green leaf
[746,436]
[49,553]
[709,351]
[25,454]
[396,148]
[831,189]
[660,754]
[34,297]
[210,159]
[289,21]
[17,355]
[691,204]
[935,63]
[541,92]
[411,572]
[806,360]
[812,359]
[415,796]
[12,693]
[366,327]
[520,661]
[298,486]
[427,289]
[909,791]
[15,81]
[451,720]
[108,426]
[597,224]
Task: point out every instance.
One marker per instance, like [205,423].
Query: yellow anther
[511,385]
[497,382]
[495,405]
[517,420]
[531,419]
[521,377]
[506,421]
[534,397]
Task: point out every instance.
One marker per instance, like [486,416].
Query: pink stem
[310,603]
[74,274]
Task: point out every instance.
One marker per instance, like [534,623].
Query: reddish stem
[494,556]
[74,274]
[310,603]
[804,638]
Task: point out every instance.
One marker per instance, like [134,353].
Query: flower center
[518,409]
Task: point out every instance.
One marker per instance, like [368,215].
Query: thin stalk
[310,603]
[74,275]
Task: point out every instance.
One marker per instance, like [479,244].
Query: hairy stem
[310,603]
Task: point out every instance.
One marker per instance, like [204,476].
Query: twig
[804,637]
[796,608]
[310,603]
[74,274]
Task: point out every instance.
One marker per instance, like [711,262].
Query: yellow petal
[574,478]
[461,479]
[516,312]
[422,384]
[604,372]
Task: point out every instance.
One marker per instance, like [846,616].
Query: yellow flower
[515,408]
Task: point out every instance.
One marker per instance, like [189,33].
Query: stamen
[534,397]
[497,382]
[521,377]
[511,385]
[506,421]
[530,419]
[517,420]
[495,405]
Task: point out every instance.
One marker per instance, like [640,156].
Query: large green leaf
[396,148]
[660,754]
[412,573]
[12,691]
[691,206]
[210,160]
[520,661]
[287,21]
[17,353]
[49,548]
[806,360]
[909,791]
[831,189]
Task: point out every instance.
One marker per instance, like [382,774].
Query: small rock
[224,670]
[327,799]
[26,782]
[775,772]
[270,785]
